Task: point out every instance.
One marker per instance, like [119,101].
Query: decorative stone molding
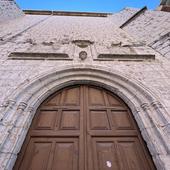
[5,104]
[6,107]
[82,43]
[126,57]
[138,98]
[22,106]
[83,55]
[11,103]
[30,109]
[156,105]
[38,56]
[121,52]
[145,106]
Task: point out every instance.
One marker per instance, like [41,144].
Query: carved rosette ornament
[83,55]
[82,44]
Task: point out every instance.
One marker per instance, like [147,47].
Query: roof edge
[66,13]
[138,13]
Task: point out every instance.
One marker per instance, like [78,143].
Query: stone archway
[89,128]
[19,109]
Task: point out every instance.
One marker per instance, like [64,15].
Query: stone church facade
[126,53]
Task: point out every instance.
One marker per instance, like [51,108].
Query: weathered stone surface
[121,17]
[151,28]
[7,160]
[9,10]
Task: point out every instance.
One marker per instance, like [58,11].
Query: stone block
[9,10]
[4,158]
[14,141]
[154,142]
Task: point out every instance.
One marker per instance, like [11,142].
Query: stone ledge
[38,56]
[126,57]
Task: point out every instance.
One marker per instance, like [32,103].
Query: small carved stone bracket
[22,106]
[82,43]
[9,103]
[145,106]
[30,41]
[83,55]
[156,105]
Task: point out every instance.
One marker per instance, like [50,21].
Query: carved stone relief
[82,43]
[83,55]
[68,49]
[45,50]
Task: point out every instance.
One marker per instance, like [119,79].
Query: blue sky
[86,5]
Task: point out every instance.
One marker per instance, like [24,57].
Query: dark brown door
[83,128]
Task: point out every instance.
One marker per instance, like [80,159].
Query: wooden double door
[83,128]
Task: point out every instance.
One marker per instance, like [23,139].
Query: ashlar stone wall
[9,10]
[122,16]
[150,27]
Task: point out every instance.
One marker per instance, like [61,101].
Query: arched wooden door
[84,128]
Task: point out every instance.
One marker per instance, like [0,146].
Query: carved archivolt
[18,111]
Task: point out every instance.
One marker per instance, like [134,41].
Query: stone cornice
[66,13]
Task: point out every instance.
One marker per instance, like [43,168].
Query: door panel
[99,120]
[65,156]
[120,120]
[118,153]
[37,155]
[40,150]
[114,140]
[83,128]
[70,119]
[46,120]
[95,97]
[106,156]
[71,97]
